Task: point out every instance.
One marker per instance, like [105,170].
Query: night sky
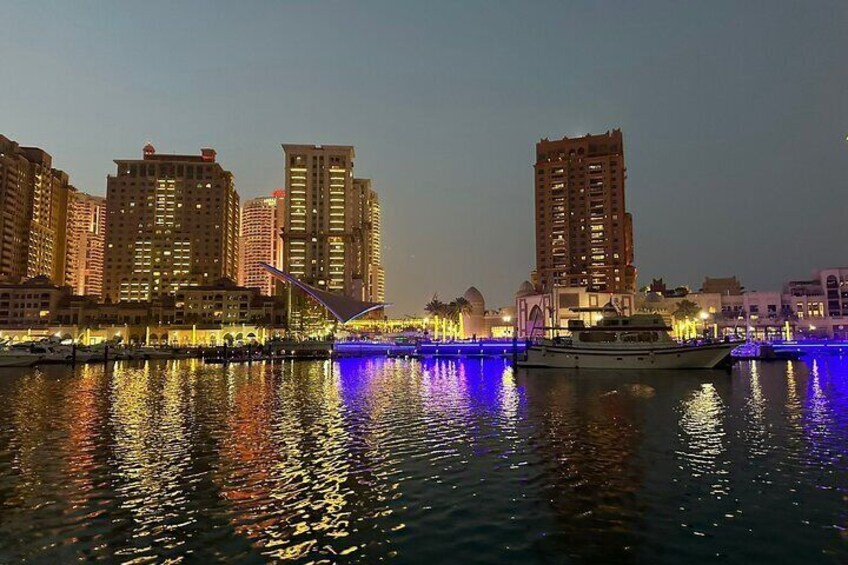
[735,117]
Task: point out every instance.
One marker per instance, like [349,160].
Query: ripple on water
[367,460]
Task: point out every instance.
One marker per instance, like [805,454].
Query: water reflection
[703,437]
[151,418]
[587,438]
[366,460]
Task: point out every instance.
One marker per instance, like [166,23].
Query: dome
[475,299]
[526,289]
[149,149]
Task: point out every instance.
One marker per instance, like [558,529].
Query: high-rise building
[327,221]
[86,242]
[261,222]
[584,234]
[367,239]
[34,202]
[377,275]
[172,221]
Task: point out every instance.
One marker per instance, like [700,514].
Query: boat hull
[12,360]
[679,357]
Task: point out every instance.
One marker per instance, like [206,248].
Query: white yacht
[641,341]
[12,357]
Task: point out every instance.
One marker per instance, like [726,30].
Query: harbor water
[368,460]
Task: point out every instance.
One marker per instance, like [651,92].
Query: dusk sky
[734,114]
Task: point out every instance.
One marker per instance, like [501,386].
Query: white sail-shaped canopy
[343,308]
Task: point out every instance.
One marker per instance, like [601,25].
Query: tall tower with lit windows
[261,222]
[172,221]
[584,234]
[34,201]
[86,240]
[327,229]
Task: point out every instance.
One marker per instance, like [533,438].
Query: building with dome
[479,323]
[537,311]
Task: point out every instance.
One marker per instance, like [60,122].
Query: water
[390,460]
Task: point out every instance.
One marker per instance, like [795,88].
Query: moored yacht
[641,341]
[11,357]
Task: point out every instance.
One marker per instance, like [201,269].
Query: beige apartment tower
[34,204]
[172,222]
[584,234]
[86,243]
[261,223]
[367,240]
[328,226]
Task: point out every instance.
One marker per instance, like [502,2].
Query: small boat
[641,341]
[12,357]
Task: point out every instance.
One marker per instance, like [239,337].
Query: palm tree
[686,309]
[458,307]
[435,307]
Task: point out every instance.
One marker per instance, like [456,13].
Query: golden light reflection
[794,408]
[287,442]
[150,418]
[509,398]
[31,408]
[85,419]
[703,435]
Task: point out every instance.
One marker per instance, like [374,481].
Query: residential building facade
[584,234]
[34,202]
[367,240]
[328,230]
[262,220]
[172,222]
[86,241]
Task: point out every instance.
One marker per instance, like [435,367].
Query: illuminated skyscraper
[261,222]
[367,239]
[86,242]
[173,221]
[584,234]
[326,228]
[33,213]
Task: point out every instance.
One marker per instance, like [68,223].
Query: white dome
[526,289]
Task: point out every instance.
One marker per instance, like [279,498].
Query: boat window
[640,337]
[597,337]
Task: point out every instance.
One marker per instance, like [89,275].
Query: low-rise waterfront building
[31,304]
[203,315]
[540,312]
[802,309]
[479,323]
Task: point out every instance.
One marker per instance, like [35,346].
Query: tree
[685,310]
[458,307]
[435,307]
